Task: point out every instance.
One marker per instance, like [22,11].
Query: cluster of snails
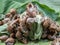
[50,29]
[19,27]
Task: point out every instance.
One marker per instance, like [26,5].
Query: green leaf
[2,16]
[54,4]
[12,4]
[31,43]
[2,5]
[58,19]
[35,27]
[3,30]
[3,27]
[22,1]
